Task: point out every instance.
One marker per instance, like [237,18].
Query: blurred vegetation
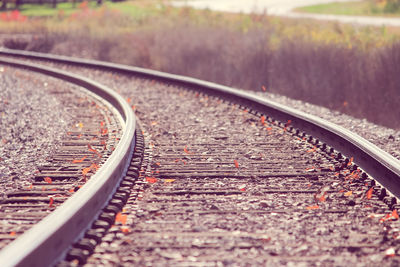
[351,69]
[360,8]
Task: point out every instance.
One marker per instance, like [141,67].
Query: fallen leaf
[13,233]
[85,171]
[264,88]
[51,202]
[121,218]
[186,150]
[169,180]
[262,120]
[79,160]
[151,180]
[395,214]
[91,149]
[312,207]
[350,161]
[125,229]
[236,163]
[312,149]
[348,193]
[48,180]
[369,193]
[391,216]
[104,131]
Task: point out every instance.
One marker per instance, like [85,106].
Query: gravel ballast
[32,121]
[166,115]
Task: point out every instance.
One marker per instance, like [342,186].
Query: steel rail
[46,243]
[373,160]
[376,162]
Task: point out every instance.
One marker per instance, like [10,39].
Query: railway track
[240,180]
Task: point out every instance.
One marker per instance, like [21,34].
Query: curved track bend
[280,159]
[47,241]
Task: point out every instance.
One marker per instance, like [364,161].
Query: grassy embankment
[351,69]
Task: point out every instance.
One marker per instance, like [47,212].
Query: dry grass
[353,70]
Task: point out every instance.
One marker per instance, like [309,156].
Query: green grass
[46,10]
[360,8]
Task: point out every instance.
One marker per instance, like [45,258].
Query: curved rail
[46,242]
[378,163]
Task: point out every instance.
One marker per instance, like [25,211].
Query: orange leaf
[125,230]
[312,207]
[151,180]
[262,120]
[395,214]
[51,202]
[71,190]
[236,163]
[264,88]
[86,170]
[94,166]
[186,150]
[48,180]
[121,218]
[79,160]
[350,161]
[91,149]
[94,150]
[312,149]
[104,131]
[369,193]
[348,193]
[13,233]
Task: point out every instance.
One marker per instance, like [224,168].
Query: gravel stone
[32,122]
[296,238]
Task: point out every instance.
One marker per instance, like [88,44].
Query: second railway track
[224,183]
